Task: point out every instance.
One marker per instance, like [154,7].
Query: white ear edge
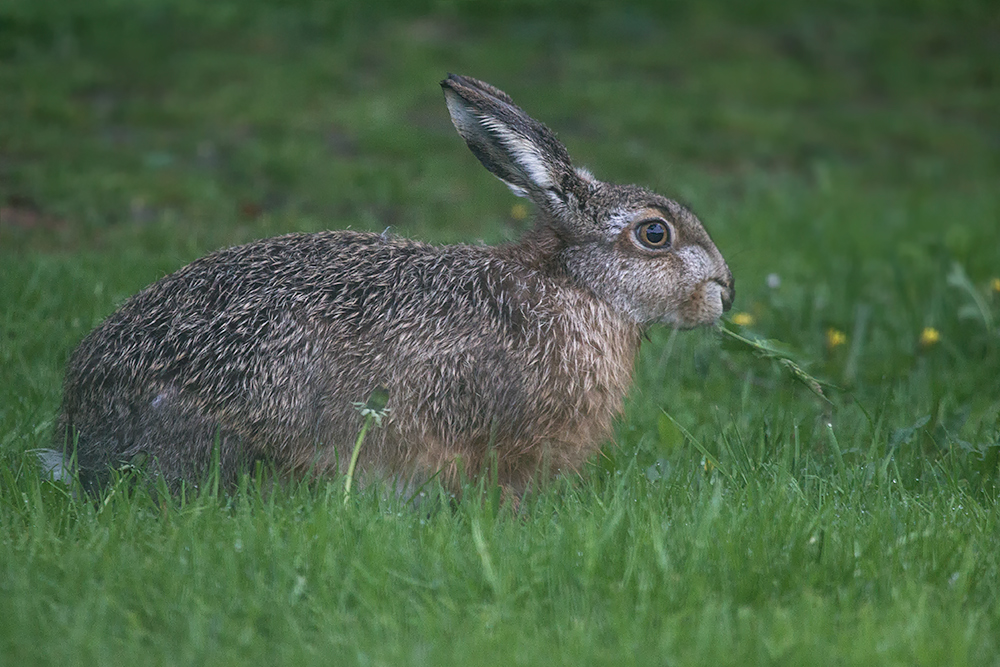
[516,189]
[463,119]
[524,152]
[557,203]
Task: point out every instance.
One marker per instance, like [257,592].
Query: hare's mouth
[706,304]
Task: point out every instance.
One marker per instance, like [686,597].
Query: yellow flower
[519,211]
[835,338]
[995,285]
[742,319]
[929,336]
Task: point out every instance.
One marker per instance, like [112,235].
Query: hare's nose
[728,293]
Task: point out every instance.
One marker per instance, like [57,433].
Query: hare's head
[645,254]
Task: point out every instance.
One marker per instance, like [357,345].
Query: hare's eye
[653,234]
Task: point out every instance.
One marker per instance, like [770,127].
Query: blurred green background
[214,115]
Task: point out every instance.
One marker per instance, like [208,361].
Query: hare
[517,356]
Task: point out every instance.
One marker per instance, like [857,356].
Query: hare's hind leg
[182,441]
[168,435]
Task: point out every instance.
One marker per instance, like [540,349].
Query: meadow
[845,157]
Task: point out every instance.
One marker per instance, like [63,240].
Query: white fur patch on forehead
[620,218]
[524,152]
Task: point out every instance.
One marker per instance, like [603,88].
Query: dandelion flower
[835,338]
[742,319]
[519,211]
[929,336]
[995,285]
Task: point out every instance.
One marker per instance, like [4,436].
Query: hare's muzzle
[704,306]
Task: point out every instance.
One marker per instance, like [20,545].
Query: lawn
[845,157]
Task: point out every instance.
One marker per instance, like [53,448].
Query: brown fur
[521,352]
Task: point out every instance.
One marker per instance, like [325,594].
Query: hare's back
[234,317]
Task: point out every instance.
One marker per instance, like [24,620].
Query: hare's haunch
[521,352]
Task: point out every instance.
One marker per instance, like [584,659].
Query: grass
[847,150]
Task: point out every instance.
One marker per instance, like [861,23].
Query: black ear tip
[452,81]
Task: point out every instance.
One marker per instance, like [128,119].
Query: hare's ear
[516,148]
